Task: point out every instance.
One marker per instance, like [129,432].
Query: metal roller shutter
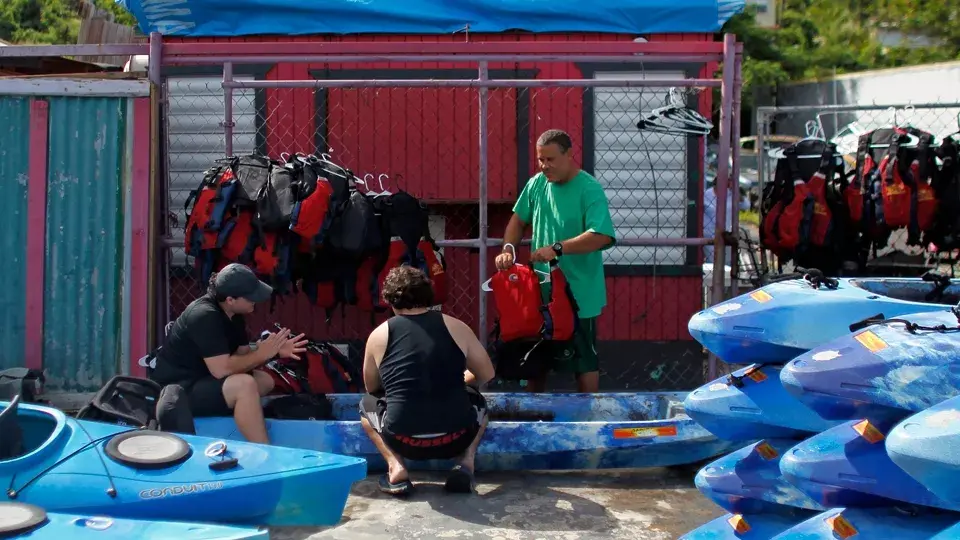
[195,138]
[644,174]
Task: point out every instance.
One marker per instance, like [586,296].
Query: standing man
[571,222]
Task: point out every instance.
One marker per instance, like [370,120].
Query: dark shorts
[429,446]
[580,353]
[206,397]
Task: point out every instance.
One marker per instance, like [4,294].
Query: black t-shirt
[203,330]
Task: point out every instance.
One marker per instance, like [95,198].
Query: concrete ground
[650,504]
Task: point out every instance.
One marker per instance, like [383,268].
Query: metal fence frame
[728,53]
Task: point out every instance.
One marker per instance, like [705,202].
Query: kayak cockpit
[26,432]
[931,290]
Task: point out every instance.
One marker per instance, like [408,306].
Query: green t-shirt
[560,212]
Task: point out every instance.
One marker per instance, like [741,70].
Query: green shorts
[580,353]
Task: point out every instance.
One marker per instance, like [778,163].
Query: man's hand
[504,260]
[544,254]
[293,346]
[272,344]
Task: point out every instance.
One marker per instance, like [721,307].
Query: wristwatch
[558,248]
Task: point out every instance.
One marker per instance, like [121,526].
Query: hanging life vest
[946,229]
[528,330]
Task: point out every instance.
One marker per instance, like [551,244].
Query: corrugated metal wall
[14,167]
[84,259]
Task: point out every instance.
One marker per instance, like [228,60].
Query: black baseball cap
[239,281]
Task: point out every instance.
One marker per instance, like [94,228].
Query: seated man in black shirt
[208,352]
[423,370]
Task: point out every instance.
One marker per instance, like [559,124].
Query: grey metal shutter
[644,174]
[195,138]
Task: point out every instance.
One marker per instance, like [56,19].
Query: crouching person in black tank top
[422,371]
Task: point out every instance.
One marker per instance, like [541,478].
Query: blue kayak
[29,522]
[751,404]
[777,322]
[76,466]
[526,432]
[925,447]
[848,466]
[744,527]
[885,371]
[873,524]
[748,481]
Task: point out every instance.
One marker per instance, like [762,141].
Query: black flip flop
[459,480]
[401,488]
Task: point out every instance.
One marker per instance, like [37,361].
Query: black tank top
[422,373]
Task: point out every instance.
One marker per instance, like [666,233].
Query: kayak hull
[751,404]
[848,465]
[782,320]
[57,526]
[925,447]
[93,475]
[562,432]
[883,372]
[872,524]
[748,481]
[753,526]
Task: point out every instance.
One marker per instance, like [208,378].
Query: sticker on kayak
[841,527]
[761,296]
[717,386]
[756,375]
[723,309]
[823,356]
[766,451]
[641,433]
[868,432]
[738,523]
[871,341]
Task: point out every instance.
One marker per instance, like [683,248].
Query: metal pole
[513,58]
[842,108]
[474,243]
[155,58]
[762,178]
[735,185]
[473,83]
[723,176]
[227,109]
[483,136]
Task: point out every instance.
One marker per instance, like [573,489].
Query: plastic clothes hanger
[814,133]
[485,286]
[675,118]
[911,140]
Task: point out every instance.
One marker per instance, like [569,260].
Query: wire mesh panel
[426,141]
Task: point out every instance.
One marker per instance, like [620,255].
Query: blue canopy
[208,18]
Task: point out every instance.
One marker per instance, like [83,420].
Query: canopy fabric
[228,18]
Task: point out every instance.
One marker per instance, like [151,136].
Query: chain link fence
[424,140]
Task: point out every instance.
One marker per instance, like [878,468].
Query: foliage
[49,21]
[821,38]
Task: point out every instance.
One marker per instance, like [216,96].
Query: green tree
[49,21]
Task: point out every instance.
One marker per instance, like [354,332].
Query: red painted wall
[434,148]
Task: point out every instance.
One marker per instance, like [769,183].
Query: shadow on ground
[652,504]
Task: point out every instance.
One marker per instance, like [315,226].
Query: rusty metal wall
[84,241]
[14,168]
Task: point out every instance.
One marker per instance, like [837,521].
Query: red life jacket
[212,203]
[522,312]
[322,369]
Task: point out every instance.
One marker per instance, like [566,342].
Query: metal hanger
[485,286]
[675,118]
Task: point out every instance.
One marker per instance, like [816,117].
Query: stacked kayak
[75,466]
[779,321]
[525,432]
[29,522]
[819,413]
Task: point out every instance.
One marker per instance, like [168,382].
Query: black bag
[132,401]
[522,359]
[302,406]
[277,198]
[27,383]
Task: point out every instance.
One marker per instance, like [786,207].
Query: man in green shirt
[570,215]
